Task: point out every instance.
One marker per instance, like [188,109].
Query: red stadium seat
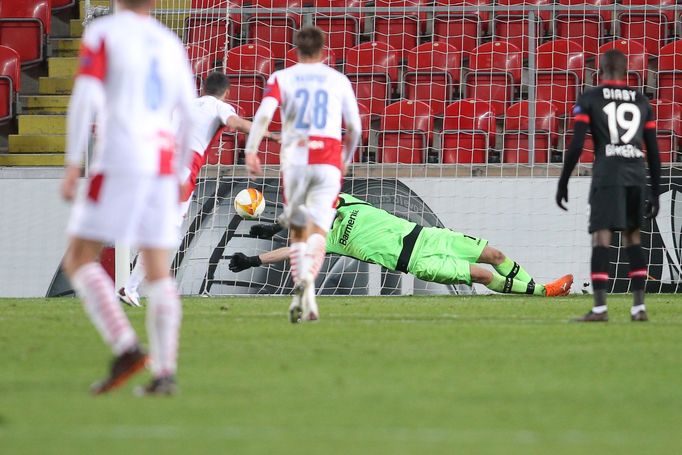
[495,74]
[432,74]
[651,27]
[10,81]
[670,72]
[248,68]
[462,30]
[61,4]
[329,58]
[212,30]
[560,73]
[225,143]
[398,29]
[637,60]
[342,30]
[373,70]
[24,25]
[512,26]
[200,62]
[405,135]
[668,128]
[517,145]
[468,132]
[585,27]
[274,30]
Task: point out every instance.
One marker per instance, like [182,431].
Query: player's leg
[496,282]
[295,180]
[129,294]
[90,225]
[633,246]
[325,184]
[157,233]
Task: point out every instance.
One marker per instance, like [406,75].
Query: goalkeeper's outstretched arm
[240,261]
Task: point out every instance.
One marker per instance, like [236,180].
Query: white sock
[299,260]
[136,276]
[164,314]
[636,309]
[317,246]
[96,290]
[599,309]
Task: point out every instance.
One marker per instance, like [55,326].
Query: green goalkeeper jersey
[365,232]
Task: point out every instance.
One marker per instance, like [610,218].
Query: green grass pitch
[394,375]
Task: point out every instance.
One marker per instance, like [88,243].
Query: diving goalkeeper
[366,233]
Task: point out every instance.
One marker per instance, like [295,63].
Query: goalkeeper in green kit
[366,233]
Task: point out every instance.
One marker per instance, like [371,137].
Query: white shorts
[139,211]
[315,187]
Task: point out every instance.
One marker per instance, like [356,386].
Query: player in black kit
[621,121]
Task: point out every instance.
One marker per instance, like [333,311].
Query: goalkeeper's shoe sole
[164,386]
[123,367]
[295,309]
[127,298]
[560,287]
[593,317]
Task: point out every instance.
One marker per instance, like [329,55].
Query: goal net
[466,110]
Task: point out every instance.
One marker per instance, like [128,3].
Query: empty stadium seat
[213,30]
[584,27]
[10,81]
[400,30]
[517,139]
[24,25]
[200,62]
[670,72]
[462,30]
[668,128]
[650,27]
[512,26]
[225,144]
[432,74]
[405,134]
[468,132]
[495,74]
[328,57]
[637,60]
[560,73]
[342,30]
[248,67]
[61,4]
[274,30]
[373,70]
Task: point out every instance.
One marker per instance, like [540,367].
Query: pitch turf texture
[398,375]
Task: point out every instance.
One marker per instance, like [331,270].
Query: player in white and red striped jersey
[313,99]
[133,75]
[210,115]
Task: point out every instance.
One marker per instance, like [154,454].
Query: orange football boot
[560,287]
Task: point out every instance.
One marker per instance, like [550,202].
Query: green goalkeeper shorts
[444,256]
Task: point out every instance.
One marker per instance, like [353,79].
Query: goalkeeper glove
[240,262]
[264,231]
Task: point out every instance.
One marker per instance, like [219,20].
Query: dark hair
[216,84]
[309,41]
[136,3]
[613,64]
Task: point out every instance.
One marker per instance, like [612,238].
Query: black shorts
[617,208]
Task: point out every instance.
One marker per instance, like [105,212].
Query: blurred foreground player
[438,255]
[133,75]
[313,99]
[621,121]
[210,114]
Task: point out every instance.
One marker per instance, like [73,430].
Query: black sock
[600,274]
[638,273]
